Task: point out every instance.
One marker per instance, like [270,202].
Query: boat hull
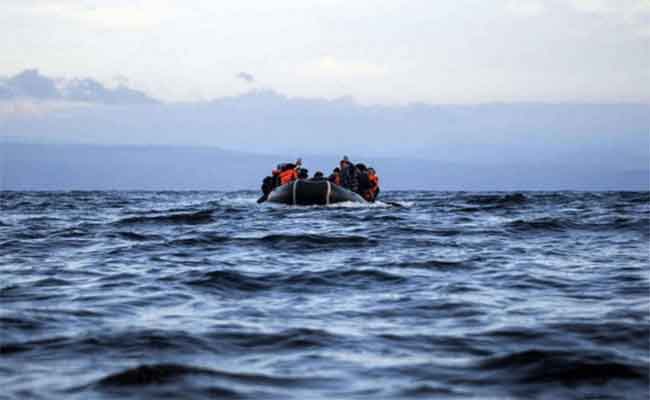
[307,193]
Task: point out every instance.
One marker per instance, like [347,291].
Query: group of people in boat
[355,177]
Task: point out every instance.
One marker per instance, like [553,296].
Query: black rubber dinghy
[308,193]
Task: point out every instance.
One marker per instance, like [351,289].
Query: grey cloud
[89,90]
[121,80]
[245,76]
[31,84]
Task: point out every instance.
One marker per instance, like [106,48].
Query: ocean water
[139,295]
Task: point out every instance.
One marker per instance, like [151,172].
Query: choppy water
[209,295]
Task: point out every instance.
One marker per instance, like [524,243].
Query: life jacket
[288,176]
[374,182]
[371,193]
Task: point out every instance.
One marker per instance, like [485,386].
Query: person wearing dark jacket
[349,175]
[364,181]
[268,184]
[318,176]
[335,177]
[282,174]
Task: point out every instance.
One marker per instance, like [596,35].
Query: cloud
[121,80]
[629,10]
[138,16]
[634,14]
[30,84]
[525,8]
[331,67]
[593,6]
[245,76]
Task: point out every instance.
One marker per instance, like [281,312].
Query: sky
[377,52]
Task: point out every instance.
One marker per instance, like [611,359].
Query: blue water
[114,295]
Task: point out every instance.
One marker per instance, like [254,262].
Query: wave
[635,197]
[605,334]
[492,199]
[279,241]
[230,280]
[125,343]
[430,264]
[387,218]
[172,292]
[565,367]
[199,217]
[50,282]
[11,243]
[134,236]
[156,374]
[151,374]
[20,323]
[163,211]
[314,239]
[641,225]
[539,224]
[430,391]
[561,224]
[358,278]
[72,232]
[286,340]
[12,348]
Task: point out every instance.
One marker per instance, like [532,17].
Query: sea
[422,295]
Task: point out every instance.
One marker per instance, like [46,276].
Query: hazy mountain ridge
[522,145]
[96,167]
[606,134]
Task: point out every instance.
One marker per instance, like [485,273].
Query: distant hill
[27,166]
[135,141]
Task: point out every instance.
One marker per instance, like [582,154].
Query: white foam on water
[345,204]
[238,200]
[406,204]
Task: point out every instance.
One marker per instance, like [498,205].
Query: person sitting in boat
[364,181]
[289,172]
[374,181]
[268,184]
[303,173]
[349,175]
[318,176]
[275,174]
[335,176]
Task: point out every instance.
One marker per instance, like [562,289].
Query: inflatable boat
[307,193]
